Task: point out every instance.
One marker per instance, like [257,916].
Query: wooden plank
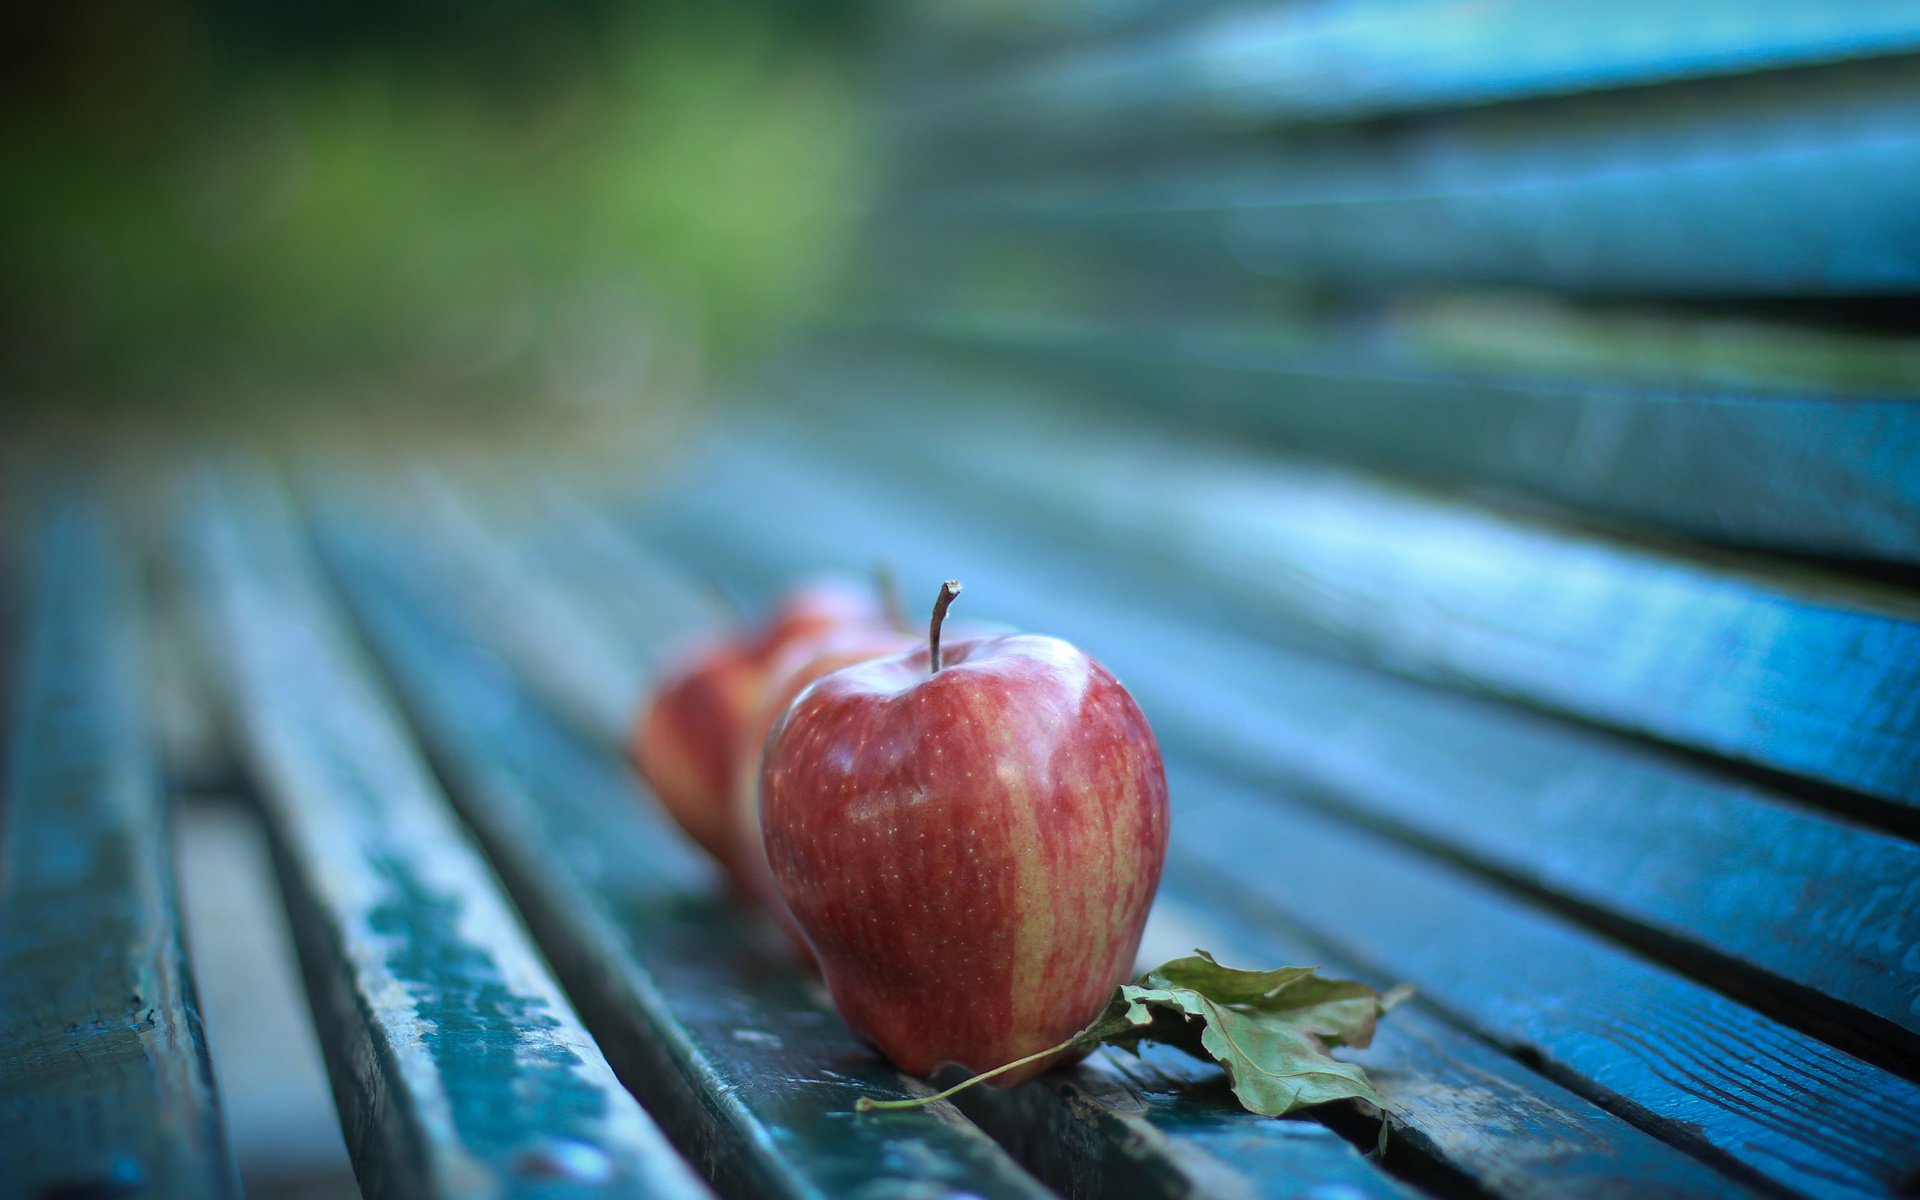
[1794,671]
[1440,1086]
[106,1087]
[595,660]
[1683,1061]
[1143,1136]
[1758,1096]
[707,1016]
[1328,61]
[1747,188]
[1779,466]
[1164,1126]
[1449,1096]
[1824,906]
[459,1066]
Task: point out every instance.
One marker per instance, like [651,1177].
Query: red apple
[969,842]
[801,664]
[685,741]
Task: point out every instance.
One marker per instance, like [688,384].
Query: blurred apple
[686,740]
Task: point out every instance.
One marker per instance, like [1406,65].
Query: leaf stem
[941,603]
[869,1104]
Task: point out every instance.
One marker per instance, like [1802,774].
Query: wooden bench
[1485,441]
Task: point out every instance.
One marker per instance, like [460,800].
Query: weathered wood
[106,1087]
[1142,1136]
[1746,187]
[1682,1060]
[1449,1097]
[1822,904]
[586,655]
[1161,1126]
[1797,671]
[707,1016]
[459,1067]
[1779,466]
[1165,1126]
[1456,1107]
[1682,852]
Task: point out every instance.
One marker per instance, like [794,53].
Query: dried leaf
[1270,1030]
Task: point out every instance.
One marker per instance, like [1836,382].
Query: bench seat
[1486,441]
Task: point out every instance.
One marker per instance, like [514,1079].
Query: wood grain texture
[1456,1107]
[707,1016]
[1134,1134]
[1763,882]
[1689,1064]
[1163,1127]
[459,1067]
[1448,1095]
[106,1087]
[1816,901]
[1795,671]
[1786,468]
[1792,186]
[1748,1090]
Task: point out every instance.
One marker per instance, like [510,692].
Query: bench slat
[1327,61]
[1782,467]
[458,1064]
[1162,1126]
[106,1087]
[1689,1064]
[1782,1106]
[1826,906]
[1160,1143]
[710,1022]
[1438,1084]
[1748,188]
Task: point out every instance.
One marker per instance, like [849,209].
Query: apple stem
[869,1104]
[941,604]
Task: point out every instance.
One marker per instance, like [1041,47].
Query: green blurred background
[455,212]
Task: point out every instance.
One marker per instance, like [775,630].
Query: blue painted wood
[1754,462]
[1825,906]
[1448,1096]
[593,659]
[1439,1085]
[704,1011]
[106,1088]
[459,1066]
[1686,1062]
[1164,1126]
[1135,1133]
[1796,671]
[1328,61]
[1145,1120]
[1748,188]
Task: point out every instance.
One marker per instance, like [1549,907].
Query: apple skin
[796,669]
[685,740]
[970,853]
